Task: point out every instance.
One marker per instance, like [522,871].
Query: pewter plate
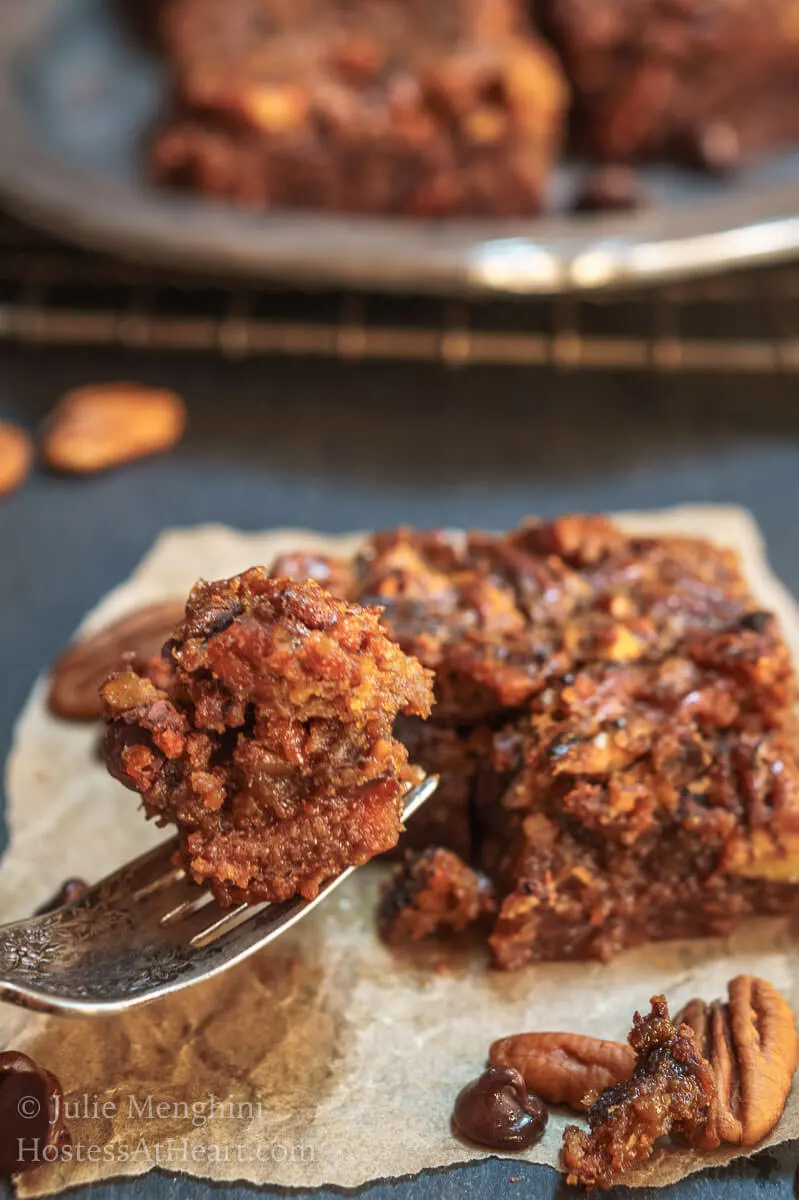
[78,98]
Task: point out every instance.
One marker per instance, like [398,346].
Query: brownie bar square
[614,725]
[367,106]
[710,82]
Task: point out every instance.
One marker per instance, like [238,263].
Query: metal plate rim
[547,256]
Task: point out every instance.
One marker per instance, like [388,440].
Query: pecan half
[94,428]
[16,455]
[564,1068]
[79,673]
[753,1049]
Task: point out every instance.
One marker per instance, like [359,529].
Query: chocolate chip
[32,1129]
[497,1111]
[610,189]
[71,890]
[757,622]
[562,745]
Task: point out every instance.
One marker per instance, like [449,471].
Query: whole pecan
[103,425]
[82,669]
[564,1068]
[752,1046]
[16,456]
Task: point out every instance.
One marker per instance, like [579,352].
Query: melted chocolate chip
[758,622]
[610,189]
[32,1129]
[71,890]
[497,1111]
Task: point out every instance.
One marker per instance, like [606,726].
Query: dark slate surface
[339,447]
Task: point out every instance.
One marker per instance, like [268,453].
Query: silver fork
[141,933]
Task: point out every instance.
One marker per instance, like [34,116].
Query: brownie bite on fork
[271,748]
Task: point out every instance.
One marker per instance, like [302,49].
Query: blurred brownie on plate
[709,82]
[395,107]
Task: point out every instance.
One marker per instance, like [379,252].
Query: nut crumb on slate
[104,425]
[671,1089]
[496,1111]
[431,891]
[16,456]
[272,748]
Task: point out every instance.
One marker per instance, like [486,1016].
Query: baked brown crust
[272,750]
[647,792]
[400,107]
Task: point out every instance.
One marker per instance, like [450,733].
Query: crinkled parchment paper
[324,1059]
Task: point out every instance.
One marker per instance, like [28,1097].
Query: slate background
[336,447]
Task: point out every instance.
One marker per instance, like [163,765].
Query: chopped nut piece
[610,189]
[276,109]
[431,891]
[671,1088]
[70,891]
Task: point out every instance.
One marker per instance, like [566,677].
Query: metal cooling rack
[51,294]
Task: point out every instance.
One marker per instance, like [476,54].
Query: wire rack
[51,294]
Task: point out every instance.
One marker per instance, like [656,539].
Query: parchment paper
[325,1059]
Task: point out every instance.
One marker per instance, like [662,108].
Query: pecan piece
[97,427]
[16,455]
[79,673]
[753,1049]
[564,1068]
[432,891]
[671,1088]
